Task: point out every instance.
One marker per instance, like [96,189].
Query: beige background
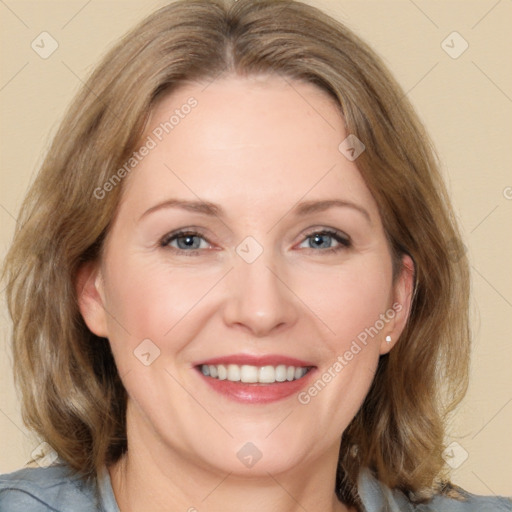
[465,102]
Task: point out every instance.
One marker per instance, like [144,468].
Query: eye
[185,242]
[189,243]
[323,240]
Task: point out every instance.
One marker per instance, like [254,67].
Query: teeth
[249,373]
[233,372]
[267,375]
[222,373]
[253,374]
[281,373]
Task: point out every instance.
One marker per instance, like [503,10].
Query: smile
[256,379]
[250,374]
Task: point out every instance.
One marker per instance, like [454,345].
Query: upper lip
[256,360]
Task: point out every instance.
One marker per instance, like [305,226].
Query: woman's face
[284,263]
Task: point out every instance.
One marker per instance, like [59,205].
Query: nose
[260,300]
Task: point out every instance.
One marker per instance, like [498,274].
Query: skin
[255,146]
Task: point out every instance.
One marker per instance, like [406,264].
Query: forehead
[246,141]
[252,112]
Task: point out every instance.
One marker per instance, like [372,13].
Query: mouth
[255,379]
[249,374]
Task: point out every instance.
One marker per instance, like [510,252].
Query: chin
[256,458]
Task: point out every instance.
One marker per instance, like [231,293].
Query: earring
[388,339]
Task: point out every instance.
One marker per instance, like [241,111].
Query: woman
[233,286]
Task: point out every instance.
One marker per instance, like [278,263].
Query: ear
[401,305]
[91,298]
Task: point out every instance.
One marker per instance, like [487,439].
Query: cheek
[151,300]
[350,302]
[350,299]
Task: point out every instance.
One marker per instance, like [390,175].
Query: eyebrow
[215,210]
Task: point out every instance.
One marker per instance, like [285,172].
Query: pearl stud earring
[388,339]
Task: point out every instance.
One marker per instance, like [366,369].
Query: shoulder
[376,497]
[468,502]
[54,488]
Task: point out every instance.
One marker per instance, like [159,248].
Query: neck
[159,478]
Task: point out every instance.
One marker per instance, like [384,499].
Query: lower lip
[257,393]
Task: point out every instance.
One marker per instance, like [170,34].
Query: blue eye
[189,242]
[323,240]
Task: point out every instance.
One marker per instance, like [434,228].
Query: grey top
[56,489]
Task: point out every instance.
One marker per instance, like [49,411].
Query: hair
[71,393]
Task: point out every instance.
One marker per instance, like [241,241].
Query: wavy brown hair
[72,395]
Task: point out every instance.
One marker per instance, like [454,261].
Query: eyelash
[342,239]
